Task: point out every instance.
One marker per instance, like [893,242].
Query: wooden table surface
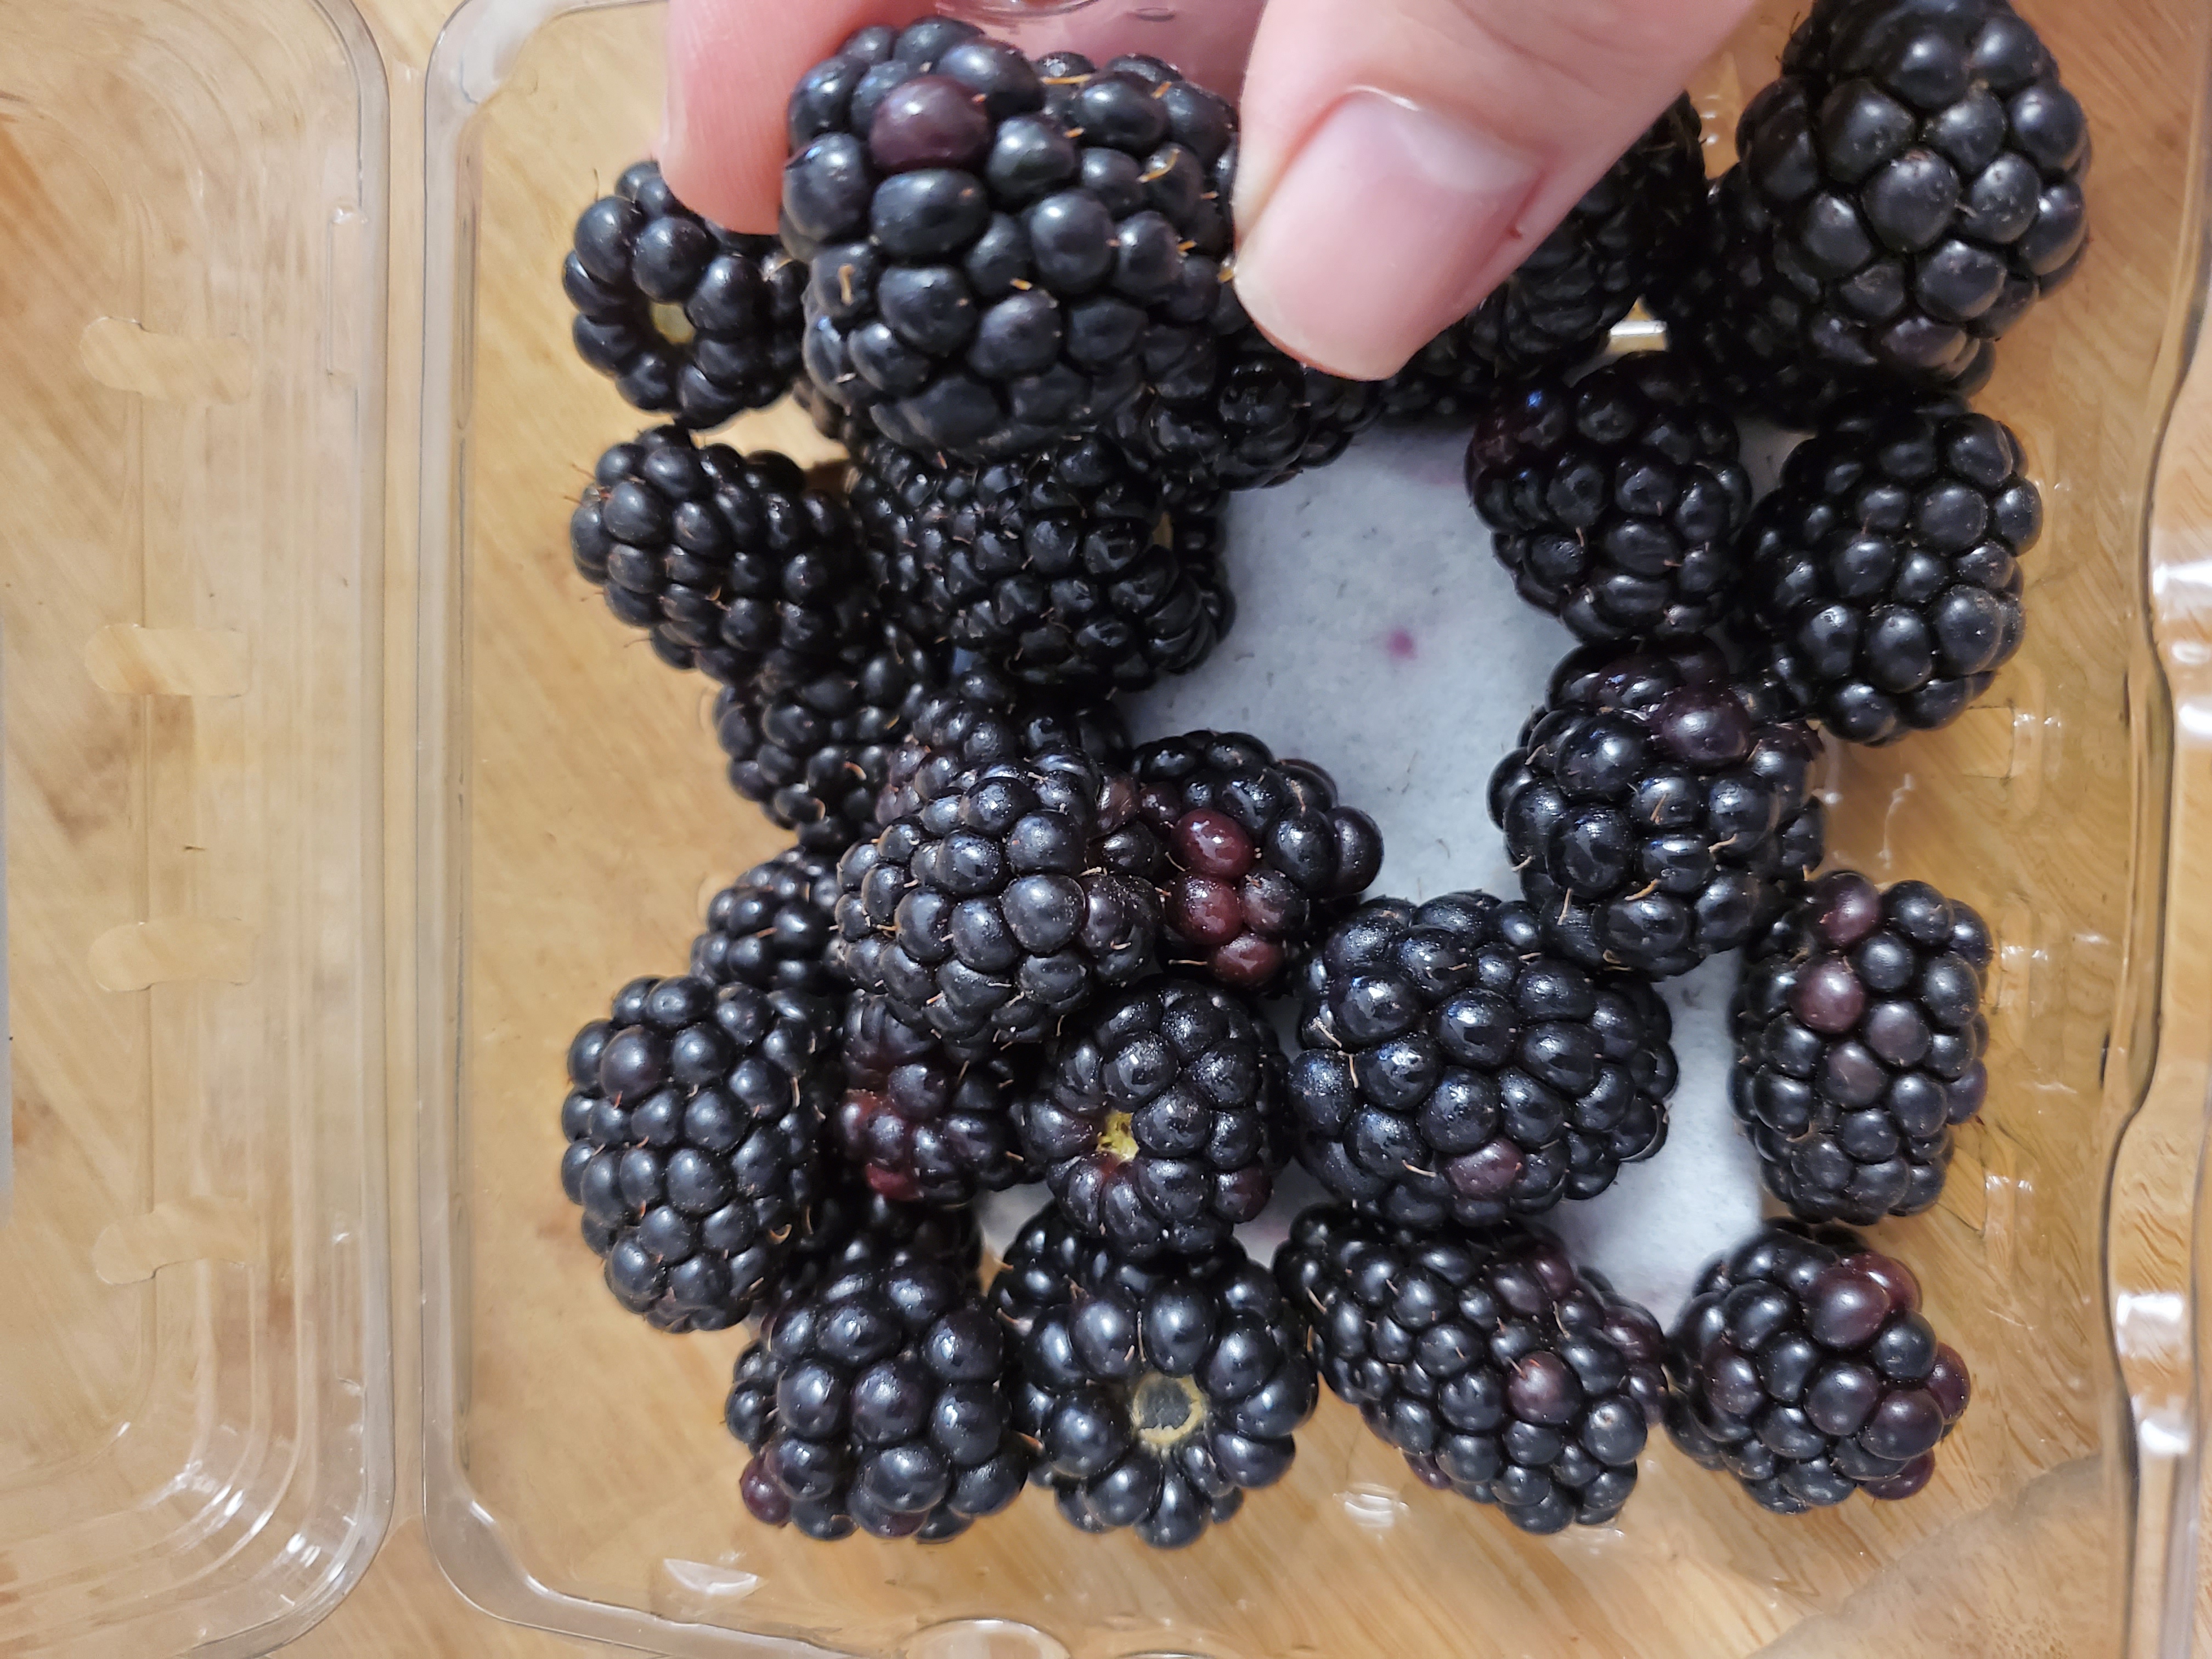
[404,1605]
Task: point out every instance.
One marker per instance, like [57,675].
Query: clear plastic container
[577,1477]
[195,1390]
[196,1405]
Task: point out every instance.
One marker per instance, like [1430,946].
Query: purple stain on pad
[1399,644]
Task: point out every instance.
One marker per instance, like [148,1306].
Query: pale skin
[1399,157]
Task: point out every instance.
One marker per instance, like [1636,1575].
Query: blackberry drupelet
[980,719]
[1158,1396]
[997,247]
[1659,813]
[1454,1070]
[1909,188]
[686,317]
[1004,906]
[1262,858]
[852,1225]
[1238,413]
[1500,1370]
[926,1125]
[909,508]
[694,1121]
[1341,410]
[1155,1118]
[731,561]
[1859,1039]
[1884,572]
[1632,227]
[1062,569]
[1803,1368]
[771,927]
[1615,500]
[879,1401]
[815,754]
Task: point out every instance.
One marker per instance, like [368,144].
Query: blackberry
[996,245]
[1615,500]
[1061,569]
[1238,413]
[770,928]
[732,562]
[1158,1396]
[1803,1368]
[1859,1039]
[1659,813]
[1155,1119]
[852,1225]
[1909,188]
[1455,1071]
[685,317]
[1262,858]
[1556,310]
[980,719]
[1005,905]
[1341,410]
[879,1401]
[693,1120]
[1499,1368]
[926,1125]
[1884,572]
[815,754]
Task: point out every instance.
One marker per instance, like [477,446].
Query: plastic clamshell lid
[195,1442]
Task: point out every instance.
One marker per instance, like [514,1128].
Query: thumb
[1400,159]
[731,65]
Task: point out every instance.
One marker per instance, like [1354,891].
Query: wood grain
[598,825]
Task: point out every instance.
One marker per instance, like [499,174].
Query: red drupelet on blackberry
[1659,812]
[879,1401]
[852,1225]
[1803,1368]
[815,754]
[1158,1396]
[979,719]
[694,1121]
[998,246]
[1499,1369]
[731,561]
[1155,1119]
[1454,1072]
[1629,230]
[926,1122]
[771,927]
[1908,189]
[1616,500]
[685,317]
[1884,574]
[1262,860]
[1005,905]
[1064,569]
[1859,1040]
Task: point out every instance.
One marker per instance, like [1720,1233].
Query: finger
[731,65]
[1398,160]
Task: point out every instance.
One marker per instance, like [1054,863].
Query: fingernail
[1370,241]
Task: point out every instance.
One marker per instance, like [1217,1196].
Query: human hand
[1399,157]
